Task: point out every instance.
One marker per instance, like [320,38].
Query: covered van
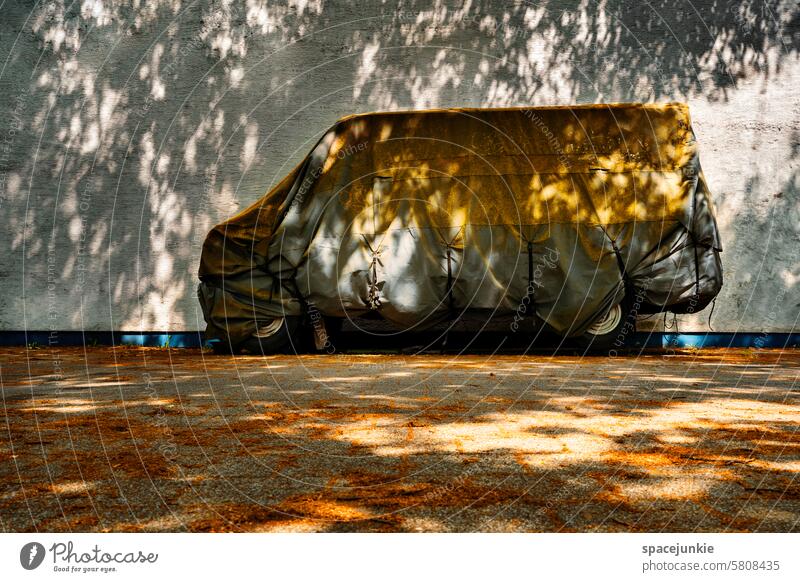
[575,216]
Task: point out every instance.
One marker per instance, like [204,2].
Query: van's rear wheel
[607,324]
[275,336]
[606,331]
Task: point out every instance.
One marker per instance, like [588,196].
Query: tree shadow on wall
[139,129]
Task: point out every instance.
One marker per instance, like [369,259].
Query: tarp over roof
[418,213]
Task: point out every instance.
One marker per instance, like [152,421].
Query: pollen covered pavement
[148,439]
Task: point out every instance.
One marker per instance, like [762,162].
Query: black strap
[630,291]
[450,281]
[291,286]
[620,263]
[530,293]
[695,246]
[626,280]
[713,305]
[448,296]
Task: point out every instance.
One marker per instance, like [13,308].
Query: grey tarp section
[422,215]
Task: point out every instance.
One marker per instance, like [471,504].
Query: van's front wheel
[275,336]
[606,332]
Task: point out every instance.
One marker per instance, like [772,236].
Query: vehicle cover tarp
[421,215]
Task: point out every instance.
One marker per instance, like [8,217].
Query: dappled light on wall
[132,129]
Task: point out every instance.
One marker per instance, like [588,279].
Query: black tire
[611,332]
[222,348]
[284,338]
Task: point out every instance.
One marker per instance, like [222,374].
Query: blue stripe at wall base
[194,339]
[730,340]
[180,339]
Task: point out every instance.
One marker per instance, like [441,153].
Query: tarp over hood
[420,215]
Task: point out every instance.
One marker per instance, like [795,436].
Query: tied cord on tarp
[449,295]
[373,294]
[674,322]
[713,305]
[290,285]
[620,264]
[451,280]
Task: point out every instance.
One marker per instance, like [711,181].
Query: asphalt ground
[148,439]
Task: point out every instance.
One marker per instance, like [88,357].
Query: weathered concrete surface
[163,440]
[125,134]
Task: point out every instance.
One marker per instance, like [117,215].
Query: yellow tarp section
[587,165]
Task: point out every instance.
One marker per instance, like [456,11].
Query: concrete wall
[128,129]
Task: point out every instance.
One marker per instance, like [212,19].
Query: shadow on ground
[168,440]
